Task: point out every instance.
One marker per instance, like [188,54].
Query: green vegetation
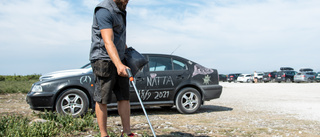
[55,125]
[17,83]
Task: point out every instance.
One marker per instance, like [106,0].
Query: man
[255,77]
[107,61]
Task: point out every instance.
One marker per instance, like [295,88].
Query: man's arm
[107,36]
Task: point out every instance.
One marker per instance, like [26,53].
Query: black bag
[135,61]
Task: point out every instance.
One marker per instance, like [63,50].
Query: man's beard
[121,4]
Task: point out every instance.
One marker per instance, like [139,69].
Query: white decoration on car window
[198,69]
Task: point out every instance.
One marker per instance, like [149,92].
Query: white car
[245,78]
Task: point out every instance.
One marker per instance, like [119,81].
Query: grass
[17,83]
[55,125]
[16,86]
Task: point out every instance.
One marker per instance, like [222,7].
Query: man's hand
[121,69]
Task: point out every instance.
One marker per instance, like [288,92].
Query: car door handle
[180,77]
[139,79]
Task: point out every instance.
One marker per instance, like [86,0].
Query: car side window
[160,64]
[177,65]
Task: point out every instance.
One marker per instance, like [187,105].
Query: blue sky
[40,36]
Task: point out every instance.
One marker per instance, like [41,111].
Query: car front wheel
[72,102]
[188,101]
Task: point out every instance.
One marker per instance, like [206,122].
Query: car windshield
[86,66]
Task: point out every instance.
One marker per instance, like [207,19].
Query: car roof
[305,69]
[286,68]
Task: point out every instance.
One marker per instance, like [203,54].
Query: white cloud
[33,30]
[251,35]
[271,32]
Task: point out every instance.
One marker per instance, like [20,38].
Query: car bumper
[279,79]
[40,100]
[300,80]
[266,79]
[211,92]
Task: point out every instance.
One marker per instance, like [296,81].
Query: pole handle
[129,74]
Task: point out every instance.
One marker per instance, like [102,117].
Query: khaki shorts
[108,80]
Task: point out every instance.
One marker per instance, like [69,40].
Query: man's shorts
[108,80]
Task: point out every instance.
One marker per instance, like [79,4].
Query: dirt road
[244,109]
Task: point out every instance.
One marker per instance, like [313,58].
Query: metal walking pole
[135,89]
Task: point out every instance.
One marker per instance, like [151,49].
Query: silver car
[305,75]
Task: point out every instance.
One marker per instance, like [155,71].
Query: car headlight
[36,88]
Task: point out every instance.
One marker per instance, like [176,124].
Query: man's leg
[124,112]
[102,113]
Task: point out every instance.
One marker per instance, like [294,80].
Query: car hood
[64,73]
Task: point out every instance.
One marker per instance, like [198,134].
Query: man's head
[122,4]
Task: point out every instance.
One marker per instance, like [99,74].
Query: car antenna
[175,49]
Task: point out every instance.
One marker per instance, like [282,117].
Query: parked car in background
[286,74]
[269,76]
[244,78]
[233,77]
[317,79]
[260,76]
[166,81]
[223,77]
[305,75]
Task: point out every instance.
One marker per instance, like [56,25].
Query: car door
[160,78]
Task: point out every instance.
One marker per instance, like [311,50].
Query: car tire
[72,102]
[288,80]
[309,80]
[188,100]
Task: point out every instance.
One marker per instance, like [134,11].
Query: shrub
[2,78]
[17,83]
[19,77]
[57,125]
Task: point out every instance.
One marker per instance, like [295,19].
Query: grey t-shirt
[104,18]
[107,15]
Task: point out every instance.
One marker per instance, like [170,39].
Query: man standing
[255,77]
[108,64]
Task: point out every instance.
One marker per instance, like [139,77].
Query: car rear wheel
[72,102]
[248,80]
[288,80]
[188,101]
[309,80]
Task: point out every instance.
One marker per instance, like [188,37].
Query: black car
[233,77]
[165,81]
[286,74]
[269,76]
[222,77]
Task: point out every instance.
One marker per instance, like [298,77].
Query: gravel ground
[244,109]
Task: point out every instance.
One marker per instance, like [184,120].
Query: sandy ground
[244,109]
[299,99]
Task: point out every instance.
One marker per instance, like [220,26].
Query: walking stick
[135,89]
